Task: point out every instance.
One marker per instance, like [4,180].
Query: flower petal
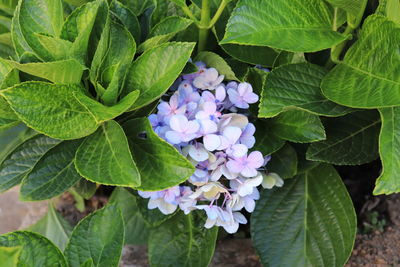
[211,142]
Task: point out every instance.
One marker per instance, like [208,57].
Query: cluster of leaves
[78,78]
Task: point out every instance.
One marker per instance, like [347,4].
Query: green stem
[203,27]
[189,13]
[218,14]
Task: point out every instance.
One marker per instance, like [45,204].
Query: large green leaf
[351,140]
[297,126]
[390,9]
[160,165]
[156,70]
[11,138]
[100,237]
[36,250]
[53,174]
[64,71]
[139,6]
[54,227]
[182,241]
[58,48]
[293,25]
[9,256]
[62,111]
[369,76]
[310,221]
[127,18]
[23,159]
[136,229]
[266,141]
[213,60]
[39,17]
[51,109]
[389,150]
[164,31]
[284,162]
[354,9]
[297,86]
[104,157]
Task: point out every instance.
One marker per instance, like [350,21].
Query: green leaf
[11,138]
[121,50]
[64,71]
[79,25]
[152,217]
[266,141]
[139,6]
[213,60]
[156,70]
[52,109]
[351,140]
[85,188]
[180,3]
[297,126]
[280,24]
[355,9]
[54,227]
[104,157]
[127,18]
[164,31]
[167,169]
[310,221]
[36,250]
[369,76]
[389,147]
[100,237]
[390,9]
[9,257]
[23,159]
[284,162]
[182,241]
[297,86]
[136,229]
[57,47]
[39,17]
[53,174]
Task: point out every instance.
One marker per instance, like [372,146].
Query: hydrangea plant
[200,115]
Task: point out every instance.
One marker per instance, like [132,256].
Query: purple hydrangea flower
[243,96]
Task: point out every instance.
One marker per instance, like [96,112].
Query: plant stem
[218,14]
[337,50]
[189,13]
[204,23]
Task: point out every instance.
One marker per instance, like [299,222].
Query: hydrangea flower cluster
[205,120]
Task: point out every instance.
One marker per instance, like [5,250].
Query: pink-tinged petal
[211,74]
[228,174]
[234,166]
[173,137]
[255,159]
[202,115]
[188,137]
[238,150]
[220,93]
[224,143]
[232,134]
[234,96]
[211,142]
[198,154]
[164,108]
[239,218]
[208,96]
[178,123]
[210,107]
[248,141]
[244,88]
[192,127]
[169,197]
[248,172]
[250,98]
[208,127]
[249,204]
[174,101]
